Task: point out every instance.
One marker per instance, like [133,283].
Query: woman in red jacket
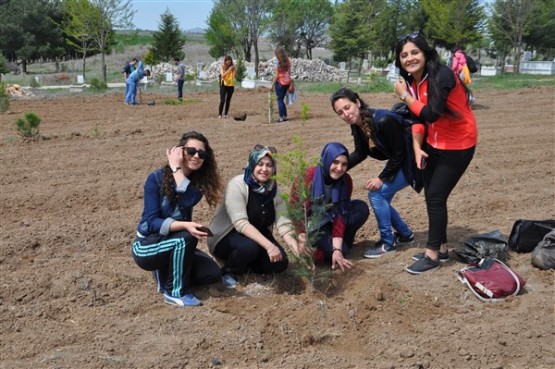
[445,141]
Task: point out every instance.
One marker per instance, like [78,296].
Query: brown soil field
[71,295]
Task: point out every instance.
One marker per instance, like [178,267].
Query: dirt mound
[72,297]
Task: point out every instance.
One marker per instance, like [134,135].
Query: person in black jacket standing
[380,134]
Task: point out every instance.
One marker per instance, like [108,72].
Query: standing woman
[243,223]
[438,97]
[227,85]
[333,216]
[167,236]
[281,81]
[379,134]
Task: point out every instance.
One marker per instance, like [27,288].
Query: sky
[189,13]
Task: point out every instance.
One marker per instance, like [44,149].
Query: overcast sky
[189,13]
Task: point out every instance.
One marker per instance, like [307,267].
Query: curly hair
[206,179]
[282,58]
[365,114]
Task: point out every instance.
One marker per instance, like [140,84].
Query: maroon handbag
[491,280]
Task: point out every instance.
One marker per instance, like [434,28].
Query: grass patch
[511,81]
[180,102]
[374,85]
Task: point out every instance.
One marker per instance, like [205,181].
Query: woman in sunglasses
[167,236]
[444,141]
[243,222]
[333,218]
[380,134]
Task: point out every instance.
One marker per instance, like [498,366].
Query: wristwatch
[175,170]
[404,96]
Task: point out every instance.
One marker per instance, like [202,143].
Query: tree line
[353,29]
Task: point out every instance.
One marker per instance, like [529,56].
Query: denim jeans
[281,91]
[386,215]
[180,83]
[130,92]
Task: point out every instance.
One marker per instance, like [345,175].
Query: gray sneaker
[229,281]
[422,265]
[442,256]
[377,251]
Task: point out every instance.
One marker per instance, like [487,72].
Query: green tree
[113,15]
[28,31]
[349,31]
[221,35]
[285,26]
[79,22]
[3,66]
[316,16]
[453,22]
[510,20]
[540,35]
[168,40]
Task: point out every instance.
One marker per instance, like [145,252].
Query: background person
[442,103]
[167,236]
[133,84]
[127,70]
[227,85]
[281,81]
[336,217]
[180,77]
[244,221]
[377,133]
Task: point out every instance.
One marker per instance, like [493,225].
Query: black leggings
[241,254]
[443,170]
[225,98]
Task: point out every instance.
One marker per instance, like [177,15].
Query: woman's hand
[175,156]
[337,260]
[274,254]
[400,86]
[374,184]
[298,246]
[421,157]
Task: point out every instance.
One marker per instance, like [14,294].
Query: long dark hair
[432,67]
[365,113]
[282,58]
[206,179]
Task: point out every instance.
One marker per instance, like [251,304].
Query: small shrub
[98,84]
[189,77]
[159,78]
[151,58]
[304,112]
[28,127]
[241,70]
[4,98]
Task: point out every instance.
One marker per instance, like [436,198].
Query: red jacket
[453,130]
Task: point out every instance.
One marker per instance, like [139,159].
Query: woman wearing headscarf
[243,222]
[333,217]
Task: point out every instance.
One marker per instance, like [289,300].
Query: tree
[168,40]
[27,30]
[79,22]
[316,16]
[285,26]
[349,31]
[510,20]
[112,15]
[540,33]
[221,35]
[453,22]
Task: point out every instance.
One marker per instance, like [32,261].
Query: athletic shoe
[158,280]
[377,251]
[187,300]
[422,265]
[442,256]
[401,240]
[229,280]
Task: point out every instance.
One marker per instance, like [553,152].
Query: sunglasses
[191,151]
[271,149]
[409,35]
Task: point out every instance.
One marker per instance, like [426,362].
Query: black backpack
[471,64]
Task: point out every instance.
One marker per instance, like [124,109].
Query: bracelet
[272,249]
[334,250]
[404,96]
[176,169]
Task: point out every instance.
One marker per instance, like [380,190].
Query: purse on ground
[491,280]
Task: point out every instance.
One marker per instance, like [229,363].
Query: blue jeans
[281,91]
[131,92]
[386,215]
[180,83]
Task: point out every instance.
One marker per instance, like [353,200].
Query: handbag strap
[462,278]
